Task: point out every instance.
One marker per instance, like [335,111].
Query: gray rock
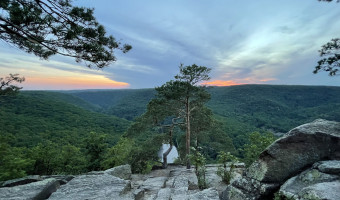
[36,190]
[326,190]
[63,179]
[164,194]
[123,172]
[329,167]
[138,194]
[22,181]
[207,194]
[313,184]
[154,183]
[102,186]
[299,149]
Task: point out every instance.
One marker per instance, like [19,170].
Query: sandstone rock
[36,190]
[329,167]
[102,186]
[207,194]
[314,184]
[164,194]
[63,179]
[22,181]
[138,194]
[154,183]
[299,149]
[123,172]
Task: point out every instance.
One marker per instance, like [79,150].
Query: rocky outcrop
[36,190]
[123,172]
[22,181]
[103,186]
[175,182]
[302,165]
[299,149]
[322,181]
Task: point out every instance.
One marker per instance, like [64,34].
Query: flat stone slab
[102,186]
[37,190]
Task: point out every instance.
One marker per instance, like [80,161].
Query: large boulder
[22,181]
[322,181]
[123,172]
[102,186]
[207,194]
[36,190]
[297,150]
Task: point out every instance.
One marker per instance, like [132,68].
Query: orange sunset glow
[221,83]
[93,82]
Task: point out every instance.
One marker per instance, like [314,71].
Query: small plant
[226,173]
[280,196]
[199,162]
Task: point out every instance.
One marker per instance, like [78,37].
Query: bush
[199,161]
[226,173]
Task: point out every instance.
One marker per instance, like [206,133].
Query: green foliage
[185,95]
[95,146]
[47,27]
[119,154]
[144,155]
[45,131]
[45,157]
[199,161]
[225,173]
[330,62]
[257,143]
[13,161]
[279,196]
[6,87]
[33,117]
[71,160]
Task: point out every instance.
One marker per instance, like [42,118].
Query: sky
[243,41]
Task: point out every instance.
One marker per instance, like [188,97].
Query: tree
[222,171]
[186,94]
[330,53]
[95,146]
[199,162]
[257,143]
[6,87]
[331,58]
[49,27]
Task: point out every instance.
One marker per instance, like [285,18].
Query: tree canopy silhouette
[49,27]
[330,53]
[6,87]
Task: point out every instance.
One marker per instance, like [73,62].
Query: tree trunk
[188,133]
[165,154]
[165,157]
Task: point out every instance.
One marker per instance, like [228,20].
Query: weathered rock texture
[175,182]
[299,149]
[103,186]
[22,181]
[123,172]
[36,190]
[322,181]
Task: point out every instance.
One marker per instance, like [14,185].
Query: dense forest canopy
[66,123]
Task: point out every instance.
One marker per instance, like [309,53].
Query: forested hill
[126,103]
[274,107]
[242,109]
[33,117]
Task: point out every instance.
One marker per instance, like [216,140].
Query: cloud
[67,83]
